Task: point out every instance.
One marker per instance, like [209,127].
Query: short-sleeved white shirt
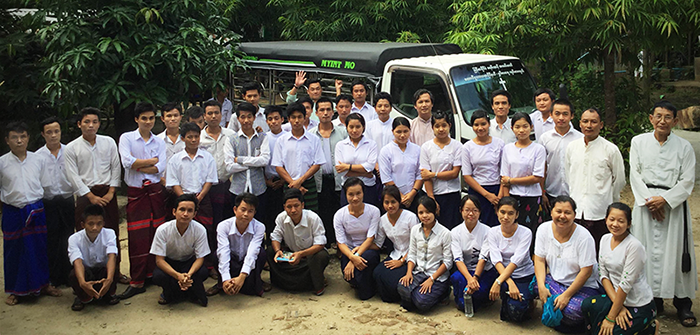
[436,159]
[400,167]
[565,260]
[168,242]
[353,231]
[522,162]
[469,247]
[93,254]
[364,154]
[399,233]
[191,174]
[514,249]
[483,162]
[305,234]
[380,132]
[297,155]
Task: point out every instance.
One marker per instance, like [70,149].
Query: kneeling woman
[470,251]
[355,227]
[627,307]
[429,260]
[509,251]
[568,250]
[396,226]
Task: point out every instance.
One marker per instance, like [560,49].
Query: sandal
[12,300]
[162,301]
[685,314]
[77,305]
[124,279]
[52,291]
[214,290]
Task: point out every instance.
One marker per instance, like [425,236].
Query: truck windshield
[475,82]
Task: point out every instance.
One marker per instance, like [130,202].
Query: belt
[658,186]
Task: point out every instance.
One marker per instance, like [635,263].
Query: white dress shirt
[337,123]
[428,253]
[270,171]
[170,147]
[89,165]
[625,268]
[540,125]
[469,247]
[216,149]
[22,182]
[168,242]
[504,132]
[380,132]
[399,233]
[522,162]
[400,167]
[483,162]
[93,254]
[297,155]
[301,236]
[436,159]
[364,154]
[353,231]
[245,247]
[595,174]
[514,249]
[132,147]
[555,145]
[191,173]
[56,174]
[312,123]
[565,260]
[260,121]
[367,111]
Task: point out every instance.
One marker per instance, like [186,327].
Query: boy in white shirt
[171,115]
[274,116]
[93,252]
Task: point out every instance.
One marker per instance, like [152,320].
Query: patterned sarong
[145,211]
[25,257]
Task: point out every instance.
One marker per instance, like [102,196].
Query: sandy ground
[338,311]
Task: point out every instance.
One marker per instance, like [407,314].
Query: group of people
[226,198]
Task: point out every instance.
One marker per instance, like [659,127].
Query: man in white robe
[662,175]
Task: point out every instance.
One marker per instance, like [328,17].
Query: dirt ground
[338,311]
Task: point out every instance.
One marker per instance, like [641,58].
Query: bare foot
[657,327]
[11,300]
[52,291]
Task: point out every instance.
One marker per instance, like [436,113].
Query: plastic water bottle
[468,304]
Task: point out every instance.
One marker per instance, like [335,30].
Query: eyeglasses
[659,117]
[470,210]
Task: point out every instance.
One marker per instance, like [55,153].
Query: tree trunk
[609,87]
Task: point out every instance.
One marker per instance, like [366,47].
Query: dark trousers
[412,299]
[328,204]
[96,273]
[449,215]
[597,228]
[221,202]
[305,276]
[363,280]
[387,281]
[272,209]
[171,288]
[60,223]
[253,283]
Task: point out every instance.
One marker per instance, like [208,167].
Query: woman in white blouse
[481,167]
[355,228]
[474,273]
[399,164]
[440,162]
[509,252]
[395,226]
[627,307]
[356,156]
[429,261]
[568,250]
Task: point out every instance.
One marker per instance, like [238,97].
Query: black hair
[189,127]
[478,114]
[324,99]
[508,201]
[518,116]
[93,210]
[345,97]
[440,115]
[307,100]
[187,197]
[595,110]
[543,90]
[271,109]
[49,120]
[353,181]
[429,204]
[503,93]
[16,126]
[392,191]
[89,111]
[292,193]
[665,104]
[400,121]
[358,117]
[623,207]
[248,198]
[194,112]
[420,92]
[565,199]
[144,107]
[210,103]
[473,198]
[383,95]
[359,82]
[313,81]
[251,86]
[564,102]
[246,106]
[296,107]
[168,106]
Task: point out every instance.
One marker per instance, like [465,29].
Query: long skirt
[597,307]
[480,297]
[449,215]
[221,202]
[488,213]
[363,280]
[573,316]
[205,216]
[528,215]
[329,203]
[60,224]
[24,249]
[412,299]
[171,288]
[387,281]
[145,211]
[517,310]
[307,275]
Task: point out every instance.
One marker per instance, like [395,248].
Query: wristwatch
[498,282]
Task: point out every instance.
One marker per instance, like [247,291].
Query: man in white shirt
[379,129]
[360,105]
[195,114]
[556,141]
[595,173]
[226,106]
[274,116]
[22,183]
[93,168]
[500,125]
[59,205]
[343,105]
[300,232]
[251,92]
[144,160]
[171,116]
[311,117]
[179,247]
[421,128]
[542,120]
[93,253]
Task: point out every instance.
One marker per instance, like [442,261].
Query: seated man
[180,246]
[241,256]
[303,234]
[93,253]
